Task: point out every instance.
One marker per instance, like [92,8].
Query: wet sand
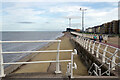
[42,67]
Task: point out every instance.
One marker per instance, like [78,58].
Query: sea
[23,36]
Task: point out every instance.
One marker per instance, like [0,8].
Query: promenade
[43,67]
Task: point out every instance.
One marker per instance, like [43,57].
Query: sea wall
[87,58]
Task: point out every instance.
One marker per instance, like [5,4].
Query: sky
[51,16]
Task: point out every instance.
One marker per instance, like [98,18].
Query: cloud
[98,17]
[46,16]
[93,16]
[26,22]
[66,9]
[60,0]
[21,14]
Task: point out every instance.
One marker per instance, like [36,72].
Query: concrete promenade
[43,67]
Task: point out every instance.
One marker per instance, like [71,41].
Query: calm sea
[21,36]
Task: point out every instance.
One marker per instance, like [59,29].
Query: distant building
[93,30]
[108,28]
[70,29]
[89,30]
[102,29]
[119,26]
[112,27]
[98,29]
[115,27]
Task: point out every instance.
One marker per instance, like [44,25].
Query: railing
[71,65]
[105,37]
[106,53]
[96,71]
[57,61]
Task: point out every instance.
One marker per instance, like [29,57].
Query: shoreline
[12,68]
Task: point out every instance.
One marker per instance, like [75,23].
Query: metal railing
[96,71]
[57,61]
[94,47]
[72,65]
[105,37]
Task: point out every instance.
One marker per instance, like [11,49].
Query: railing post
[108,68]
[80,40]
[77,38]
[97,53]
[72,56]
[99,72]
[113,60]
[84,42]
[87,44]
[72,65]
[104,54]
[90,45]
[93,47]
[96,68]
[68,73]
[57,60]
[1,62]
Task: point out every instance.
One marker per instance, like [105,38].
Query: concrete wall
[87,58]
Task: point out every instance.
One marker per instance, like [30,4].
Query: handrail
[57,61]
[97,68]
[92,49]
[105,37]
[90,67]
[110,69]
[37,51]
[30,41]
[34,62]
[71,65]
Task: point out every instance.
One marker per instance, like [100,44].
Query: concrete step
[95,78]
[32,76]
[36,75]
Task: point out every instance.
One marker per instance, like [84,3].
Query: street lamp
[82,18]
[69,22]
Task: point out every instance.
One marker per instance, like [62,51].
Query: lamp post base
[58,72]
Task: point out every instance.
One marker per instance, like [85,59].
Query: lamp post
[69,22]
[82,18]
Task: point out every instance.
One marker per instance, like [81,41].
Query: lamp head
[80,9]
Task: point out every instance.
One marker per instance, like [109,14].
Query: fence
[101,51]
[96,71]
[105,37]
[57,61]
